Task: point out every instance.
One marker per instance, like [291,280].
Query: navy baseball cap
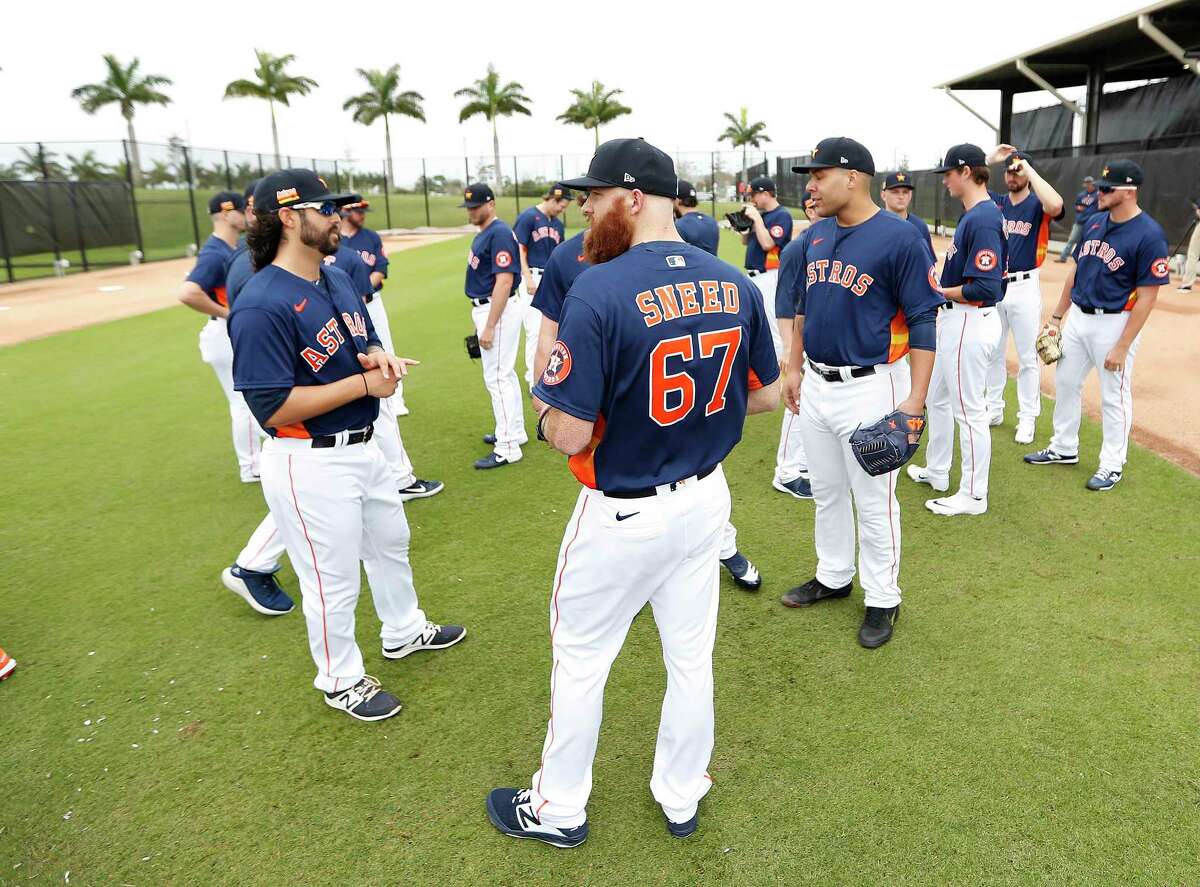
[288,187]
[762,183]
[962,155]
[225,200]
[686,189]
[476,194]
[1087,179]
[357,203]
[561,192]
[248,194]
[632,164]
[1121,174]
[901,179]
[841,153]
[1014,156]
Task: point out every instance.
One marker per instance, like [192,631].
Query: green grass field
[1034,720]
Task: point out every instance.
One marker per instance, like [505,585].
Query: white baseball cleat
[921,476]
[959,503]
[996,419]
[1024,433]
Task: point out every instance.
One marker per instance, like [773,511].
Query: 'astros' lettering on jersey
[566,263]
[369,246]
[539,234]
[1114,259]
[700,230]
[288,331]
[209,272]
[859,286]
[1028,228]
[779,224]
[493,251]
[980,249]
[659,347]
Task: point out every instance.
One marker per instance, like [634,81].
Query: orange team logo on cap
[558,365]
[1104,172]
[287,195]
[226,204]
[467,194]
[900,177]
[322,181]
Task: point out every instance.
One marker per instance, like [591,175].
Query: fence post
[387,200]
[137,224]
[78,225]
[314,166]
[337,177]
[187,171]
[8,266]
[50,218]
[425,188]
[228,172]
[516,184]
[261,171]
[712,159]
[561,169]
[466,172]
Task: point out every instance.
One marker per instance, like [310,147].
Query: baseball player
[204,291]
[490,285]
[7,664]
[1120,263]
[1028,207]
[866,297]
[897,198]
[237,267]
[314,371]
[1086,206]
[695,227]
[662,351]
[771,232]
[968,335]
[1193,251]
[368,244]
[538,229]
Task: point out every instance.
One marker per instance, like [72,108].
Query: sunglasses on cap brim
[325,208]
[1108,189]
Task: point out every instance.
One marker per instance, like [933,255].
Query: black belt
[1019,275]
[1088,309]
[833,376]
[751,272]
[369,298]
[652,491]
[355,437]
[485,301]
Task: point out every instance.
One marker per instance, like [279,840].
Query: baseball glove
[1049,344]
[888,444]
[739,221]
[472,343]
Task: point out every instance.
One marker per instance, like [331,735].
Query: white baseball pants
[1021,312]
[829,414]
[383,327]
[967,340]
[531,320]
[217,351]
[500,377]
[1193,258]
[1087,339]
[336,507]
[668,551]
[790,461]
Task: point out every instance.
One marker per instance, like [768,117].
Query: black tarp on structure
[1043,128]
[58,216]
[1156,110]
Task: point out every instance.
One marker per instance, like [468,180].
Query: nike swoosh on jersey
[299,306]
[627,516]
[818,240]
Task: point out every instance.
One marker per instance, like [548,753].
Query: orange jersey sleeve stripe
[772,260]
[297,431]
[583,463]
[1043,240]
[755,382]
[899,344]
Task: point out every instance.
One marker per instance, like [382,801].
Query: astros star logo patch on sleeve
[558,366]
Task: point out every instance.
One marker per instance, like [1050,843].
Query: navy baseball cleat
[365,701]
[812,592]
[489,439]
[745,574]
[876,629]
[683,829]
[511,811]
[1103,480]
[801,487]
[432,637]
[260,590]
[1049,457]
[493,460]
[421,489]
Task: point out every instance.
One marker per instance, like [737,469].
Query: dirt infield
[33,309]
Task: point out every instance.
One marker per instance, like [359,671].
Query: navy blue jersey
[238,270]
[288,331]
[352,262]
[1028,228]
[493,251]
[1086,205]
[660,348]
[699,230]
[979,250]
[1114,259]
[922,229]
[791,270]
[861,285]
[779,225]
[209,271]
[368,245]
[539,234]
[566,263]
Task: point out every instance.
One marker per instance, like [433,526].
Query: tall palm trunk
[596,132]
[275,135]
[387,137]
[496,151]
[744,173]
[135,155]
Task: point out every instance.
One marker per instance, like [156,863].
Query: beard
[609,236]
[1016,187]
[324,242]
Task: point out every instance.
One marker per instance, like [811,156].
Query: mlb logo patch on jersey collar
[676,262]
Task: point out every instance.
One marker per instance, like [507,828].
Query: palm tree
[38,165]
[124,87]
[741,132]
[86,168]
[593,108]
[382,100]
[489,98]
[274,84]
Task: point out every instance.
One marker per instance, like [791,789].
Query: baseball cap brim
[811,165]
[472,204]
[585,183]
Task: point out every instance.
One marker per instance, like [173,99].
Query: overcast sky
[862,69]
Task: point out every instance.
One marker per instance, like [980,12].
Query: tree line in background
[126,87]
